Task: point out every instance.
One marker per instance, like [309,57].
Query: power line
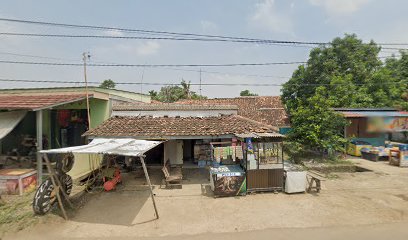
[175,69]
[152,31]
[36,56]
[168,33]
[280,43]
[268,42]
[150,65]
[203,84]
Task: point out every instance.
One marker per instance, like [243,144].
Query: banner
[387,124]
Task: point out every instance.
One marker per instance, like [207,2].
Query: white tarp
[114,146]
[295,182]
[9,120]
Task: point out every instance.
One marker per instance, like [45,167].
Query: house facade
[43,118]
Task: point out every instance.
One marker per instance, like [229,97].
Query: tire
[66,163]
[45,197]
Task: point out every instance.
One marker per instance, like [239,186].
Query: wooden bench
[314,180]
[171,180]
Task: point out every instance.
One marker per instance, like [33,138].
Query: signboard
[229,185]
[387,124]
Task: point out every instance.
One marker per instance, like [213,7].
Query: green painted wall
[99,111]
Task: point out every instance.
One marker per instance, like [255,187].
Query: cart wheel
[46,195]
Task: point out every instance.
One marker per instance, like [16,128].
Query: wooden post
[57,187]
[39,122]
[52,171]
[150,185]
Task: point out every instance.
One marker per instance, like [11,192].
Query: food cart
[227,177]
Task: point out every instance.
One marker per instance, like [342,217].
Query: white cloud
[267,16]
[208,26]
[340,7]
[146,48]
[113,33]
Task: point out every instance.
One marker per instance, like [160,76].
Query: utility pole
[200,84]
[87,57]
[141,84]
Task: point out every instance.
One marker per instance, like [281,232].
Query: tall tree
[346,73]
[108,84]
[186,88]
[344,67]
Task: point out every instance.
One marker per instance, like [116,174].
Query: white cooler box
[295,182]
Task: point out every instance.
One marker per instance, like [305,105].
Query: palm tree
[186,88]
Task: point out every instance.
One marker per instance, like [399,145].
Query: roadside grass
[16,213]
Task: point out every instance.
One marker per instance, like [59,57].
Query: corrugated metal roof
[365,109]
[178,107]
[258,135]
[350,114]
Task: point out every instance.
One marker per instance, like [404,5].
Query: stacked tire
[45,196]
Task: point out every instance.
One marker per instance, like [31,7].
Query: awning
[9,120]
[113,146]
[259,135]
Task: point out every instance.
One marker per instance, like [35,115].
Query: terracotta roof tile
[164,127]
[32,102]
[265,109]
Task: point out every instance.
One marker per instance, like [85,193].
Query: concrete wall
[175,113]
[173,151]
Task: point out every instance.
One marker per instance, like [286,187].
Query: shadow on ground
[102,207]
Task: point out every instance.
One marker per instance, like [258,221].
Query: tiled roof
[164,106]
[265,109]
[34,102]
[167,127]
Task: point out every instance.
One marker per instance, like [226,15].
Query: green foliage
[347,73]
[247,93]
[108,84]
[316,126]
[173,93]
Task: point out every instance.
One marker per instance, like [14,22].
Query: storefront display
[263,162]
[202,151]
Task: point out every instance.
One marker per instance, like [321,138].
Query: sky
[292,20]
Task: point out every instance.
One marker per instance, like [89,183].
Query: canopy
[9,120]
[114,146]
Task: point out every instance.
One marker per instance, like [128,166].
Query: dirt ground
[364,200]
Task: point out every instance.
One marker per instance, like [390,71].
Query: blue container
[403,147]
[202,163]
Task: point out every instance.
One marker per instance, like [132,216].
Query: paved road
[393,231]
